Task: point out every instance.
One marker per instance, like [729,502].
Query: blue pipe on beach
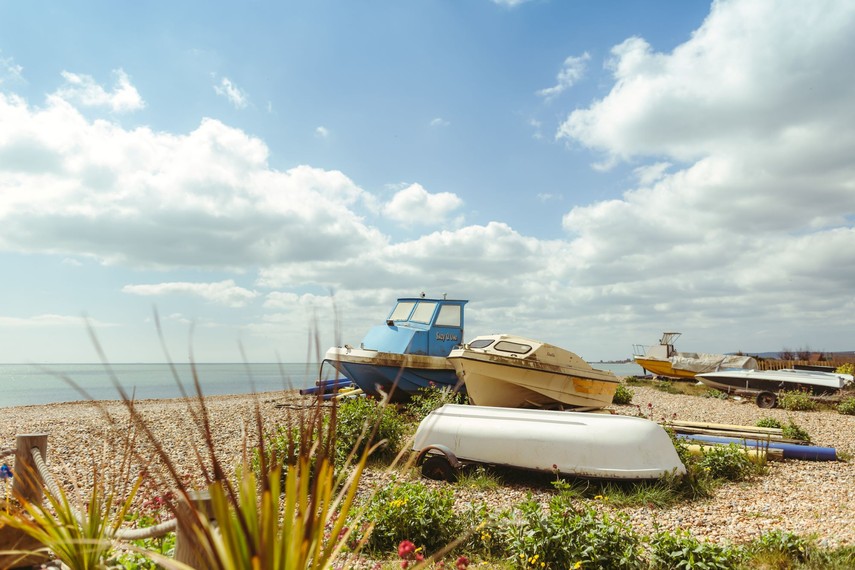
[327,386]
[790,450]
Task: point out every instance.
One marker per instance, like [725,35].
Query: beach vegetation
[77,529]
[729,462]
[768,422]
[431,398]
[679,549]
[366,423]
[623,395]
[568,535]
[847,406]
[408,510]
[796,400]
[847,368]
[792,430]
[479,477]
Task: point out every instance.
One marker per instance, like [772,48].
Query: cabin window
[515,347]
[481,343]
[424,312]
[402,311]
[449,316]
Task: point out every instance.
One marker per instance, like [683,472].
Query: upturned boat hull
[774,381]
[571,443]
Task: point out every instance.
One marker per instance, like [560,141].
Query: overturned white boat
[766,384]
[572,443]
[515,372]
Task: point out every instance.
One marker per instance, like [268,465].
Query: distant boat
[664,360]
[766,384]
[406,353]
[516,372]
[572,443]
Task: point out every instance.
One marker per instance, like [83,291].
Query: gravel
[805,497]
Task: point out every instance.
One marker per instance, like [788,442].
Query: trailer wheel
[766,400]
[438,468]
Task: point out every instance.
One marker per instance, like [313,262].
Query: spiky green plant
[78,533]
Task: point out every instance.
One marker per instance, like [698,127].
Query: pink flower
[406,548]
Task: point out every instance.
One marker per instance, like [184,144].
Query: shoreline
[804,497]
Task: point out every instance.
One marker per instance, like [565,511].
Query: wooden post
[27,483]
[187,548]
[17,549]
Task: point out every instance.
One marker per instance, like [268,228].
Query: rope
[6,452]
[155,531]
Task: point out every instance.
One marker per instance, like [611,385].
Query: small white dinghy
[571,443]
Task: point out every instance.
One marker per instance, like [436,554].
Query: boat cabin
[417,325]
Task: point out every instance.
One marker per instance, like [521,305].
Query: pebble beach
[814,498]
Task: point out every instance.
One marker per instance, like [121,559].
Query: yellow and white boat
[515,372]
[664,360]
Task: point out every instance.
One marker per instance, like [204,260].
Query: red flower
[462,563]
[406,548]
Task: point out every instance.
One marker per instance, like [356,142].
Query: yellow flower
[598,497]
[577,565]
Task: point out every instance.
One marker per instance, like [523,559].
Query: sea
[34,384]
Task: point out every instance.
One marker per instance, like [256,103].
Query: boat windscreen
[481,343]
[449,316]
[424,312]
[515,347]
[402,311]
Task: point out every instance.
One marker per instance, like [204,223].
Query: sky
[264,179]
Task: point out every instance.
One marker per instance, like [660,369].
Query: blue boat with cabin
[406,353]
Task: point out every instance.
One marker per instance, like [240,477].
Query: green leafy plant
[80,532]
[680,549]
[362,421]
[715,394]
[847,406]
[729,462]
[782,547]
[410,511]
[792,430]
[430,398]
[796,400]
[623,395]
[768,423]
[848,368]
[478,477]
[565,536]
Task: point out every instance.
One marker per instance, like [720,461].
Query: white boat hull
[817,383]
[580,444]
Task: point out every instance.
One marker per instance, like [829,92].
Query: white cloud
[202,199]
[571,72]
[83,90]
[225,293]
[510,3]
[439,122]
[650,173]
[43,321]
[226,88]
[322,132]
[10,70]
[415,206]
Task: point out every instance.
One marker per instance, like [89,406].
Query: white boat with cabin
[517,372]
